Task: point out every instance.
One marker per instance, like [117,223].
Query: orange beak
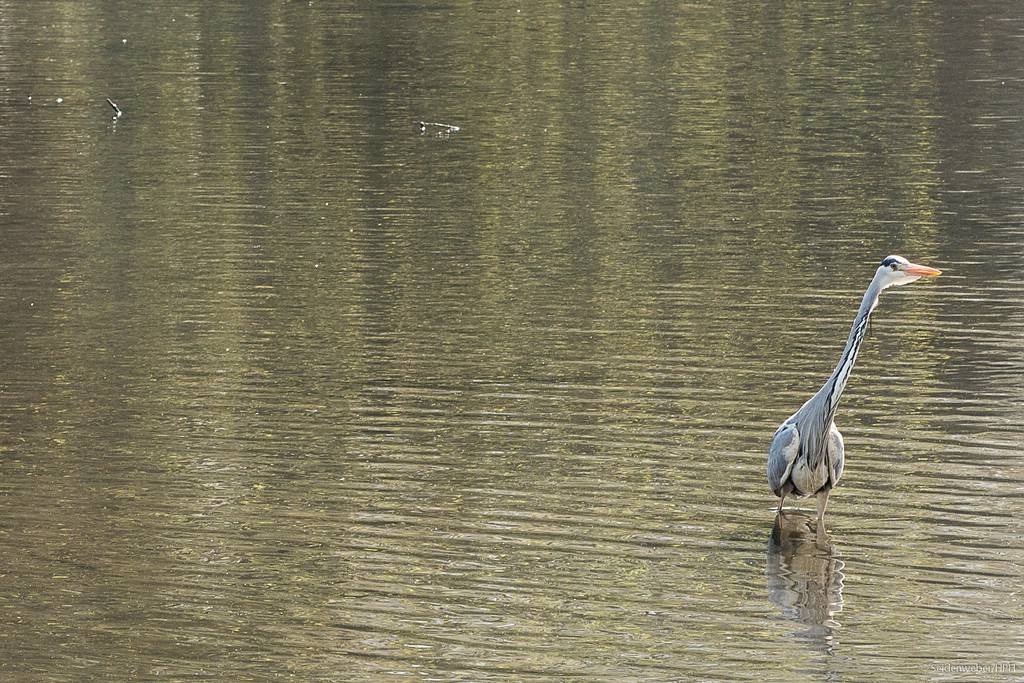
[915,269]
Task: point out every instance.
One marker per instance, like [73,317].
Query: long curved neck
[833,389]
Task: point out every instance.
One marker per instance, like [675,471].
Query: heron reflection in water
[805,579]
[806,453]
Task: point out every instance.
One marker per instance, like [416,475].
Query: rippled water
[295,389]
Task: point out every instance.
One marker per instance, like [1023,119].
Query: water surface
[293,389]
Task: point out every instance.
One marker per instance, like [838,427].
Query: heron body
[806,454]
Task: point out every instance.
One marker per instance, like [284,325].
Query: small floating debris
[437,128]
[117,110]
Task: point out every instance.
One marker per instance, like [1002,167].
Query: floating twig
[117,109]
[442,128]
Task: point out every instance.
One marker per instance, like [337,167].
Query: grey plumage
[807,452]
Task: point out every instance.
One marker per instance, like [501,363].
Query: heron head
[896,270]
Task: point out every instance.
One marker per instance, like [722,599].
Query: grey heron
[806,453]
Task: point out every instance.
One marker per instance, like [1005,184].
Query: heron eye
[892,266]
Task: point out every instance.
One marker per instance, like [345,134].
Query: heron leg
[782,499]
[822,500]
